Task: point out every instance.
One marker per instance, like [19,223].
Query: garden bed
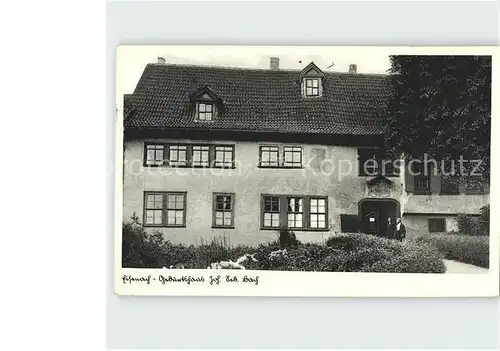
[340,253]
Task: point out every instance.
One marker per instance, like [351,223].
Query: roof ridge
[258,69]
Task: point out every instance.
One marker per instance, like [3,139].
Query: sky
[131,59]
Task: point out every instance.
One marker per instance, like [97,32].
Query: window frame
[212,148]
[145,158]
[280,157]
[198,111]
[213,161]
[312,87]
[429,226]
[416,178]
[215,210]
[164,209]
[283,212]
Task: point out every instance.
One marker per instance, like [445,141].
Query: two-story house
[212,151]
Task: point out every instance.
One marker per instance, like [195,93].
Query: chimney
[161,60]
[353,68]
[275,63]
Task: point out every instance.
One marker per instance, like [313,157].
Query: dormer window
[312,86]
[205,111]
[206,104]
[311,81]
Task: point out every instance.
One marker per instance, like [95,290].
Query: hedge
[463,248]
[340,253]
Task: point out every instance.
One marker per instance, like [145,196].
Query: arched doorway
[374,215]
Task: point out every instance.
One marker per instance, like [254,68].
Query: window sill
[376,175]
[222,227]
[441,193]
[162,226]
[298,229]
[281,167]
[420,192]
[187,166]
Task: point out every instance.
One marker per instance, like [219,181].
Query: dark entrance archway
[374,214]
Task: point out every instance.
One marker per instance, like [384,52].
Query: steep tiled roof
[257,100]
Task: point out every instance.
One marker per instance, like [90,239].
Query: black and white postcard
[306,171]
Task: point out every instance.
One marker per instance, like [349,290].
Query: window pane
[171,217]
[208,108]
[158,217]
[309,91]
[179,217]
[227,218]
[315,83]
[202,107]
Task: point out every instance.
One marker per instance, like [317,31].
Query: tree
[441,106]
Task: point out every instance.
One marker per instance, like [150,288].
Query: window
[201,156]
[437,225]
[223,216]
[271,212]
[205,111]
[450,185]
[154,155]
[165,209]
[421,177]
[372,162]
[294,212]
[292,156]
[312,86]
[224,156]
[349,223]
[318,213]
[177,155]
[269,156]
[473,185]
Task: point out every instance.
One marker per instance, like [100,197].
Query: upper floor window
[311,80]
[269,156]
[312,86]
[205,111]
[421,177]
[154,154]
[189,155]
[473,185]
[450,185]
[201,156]
[373,162]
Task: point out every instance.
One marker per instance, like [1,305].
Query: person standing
[400,230]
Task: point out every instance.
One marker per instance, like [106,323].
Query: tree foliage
[441,106]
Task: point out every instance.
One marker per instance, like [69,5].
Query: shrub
[416,258]
[462,248]
[288,239]
[475,225]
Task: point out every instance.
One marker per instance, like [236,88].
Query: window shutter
[349,223]
[435,181]
[408,179]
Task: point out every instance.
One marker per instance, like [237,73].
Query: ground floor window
[223,210]
[437,225]
[294,212]
[165,209]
